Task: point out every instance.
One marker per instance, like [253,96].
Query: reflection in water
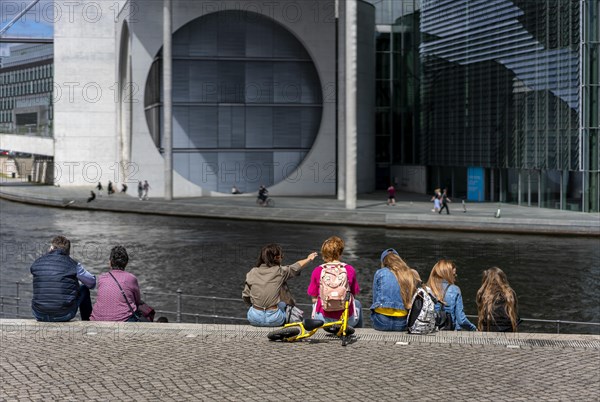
[554,277]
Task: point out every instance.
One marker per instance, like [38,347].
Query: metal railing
[207,308]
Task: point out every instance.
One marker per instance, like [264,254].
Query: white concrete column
[168,99]
[351,28]
[341,101]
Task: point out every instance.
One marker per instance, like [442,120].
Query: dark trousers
[84,303]
[444,205]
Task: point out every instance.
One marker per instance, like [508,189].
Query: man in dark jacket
[57,293]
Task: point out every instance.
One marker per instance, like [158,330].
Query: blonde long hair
[495,287]
[442,270]
[404,275]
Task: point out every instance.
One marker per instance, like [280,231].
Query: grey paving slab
[412,210]
[109,361]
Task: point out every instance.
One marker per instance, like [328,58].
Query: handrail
[14,303]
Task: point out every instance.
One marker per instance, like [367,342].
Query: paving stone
[156,365]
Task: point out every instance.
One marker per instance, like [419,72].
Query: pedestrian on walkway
[124,188]
[119,294]
[391,195]
[140,190]
[437,196]
[442,283]
[331,252]
[266,292]
[445,200]
[110,190]
[99,188]
[394,285]
[496,303]
[57,293]
[92,196]
[146,188]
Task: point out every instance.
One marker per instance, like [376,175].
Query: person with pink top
[118,294]
[331,251]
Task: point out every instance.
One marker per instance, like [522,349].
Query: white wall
[316,31]
[86,147]
[27,144]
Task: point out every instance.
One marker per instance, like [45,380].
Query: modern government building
[496,100]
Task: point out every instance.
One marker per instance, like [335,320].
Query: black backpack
[443,319]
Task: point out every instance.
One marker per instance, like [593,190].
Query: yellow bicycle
[296,331]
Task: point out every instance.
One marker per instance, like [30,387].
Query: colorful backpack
[422,315]
[333,286]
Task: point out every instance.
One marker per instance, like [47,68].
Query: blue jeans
[353,320]
[84,304]
[385,323]
[267,318]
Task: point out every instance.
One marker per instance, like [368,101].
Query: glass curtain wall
[591,100]
[500,90]
[397,86]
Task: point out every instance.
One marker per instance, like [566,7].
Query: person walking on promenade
[57,293]
[146,188]
[99,188]
[391,195]
[124,188]
[394,285]
[265,290]
[92,196]
[140,190]
[445,200]
[110,190]
[496,303]
[331,251]
[441,282]
[118,295]
[437,195]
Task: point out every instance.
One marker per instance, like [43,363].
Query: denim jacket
[454,306]
[386,290]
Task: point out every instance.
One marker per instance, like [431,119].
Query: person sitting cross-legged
[265,291]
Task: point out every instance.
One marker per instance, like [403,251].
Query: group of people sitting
[394,287]
[61,287]
[58,294]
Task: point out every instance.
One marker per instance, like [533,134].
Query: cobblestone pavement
[123,362]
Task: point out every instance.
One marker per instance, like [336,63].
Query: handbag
[137,315]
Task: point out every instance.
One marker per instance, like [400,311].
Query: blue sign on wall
[475,184]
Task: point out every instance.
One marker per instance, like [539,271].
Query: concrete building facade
[256,97]
[26,88]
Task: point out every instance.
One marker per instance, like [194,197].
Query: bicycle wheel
[334,330]
[270,202]
[283,334]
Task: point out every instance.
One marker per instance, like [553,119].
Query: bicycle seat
[310,324]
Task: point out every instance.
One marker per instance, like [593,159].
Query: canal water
[554,277]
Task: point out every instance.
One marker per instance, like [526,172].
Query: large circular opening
[247,101]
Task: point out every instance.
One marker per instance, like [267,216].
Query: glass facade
[501,89]
[247,101]
[397,86]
